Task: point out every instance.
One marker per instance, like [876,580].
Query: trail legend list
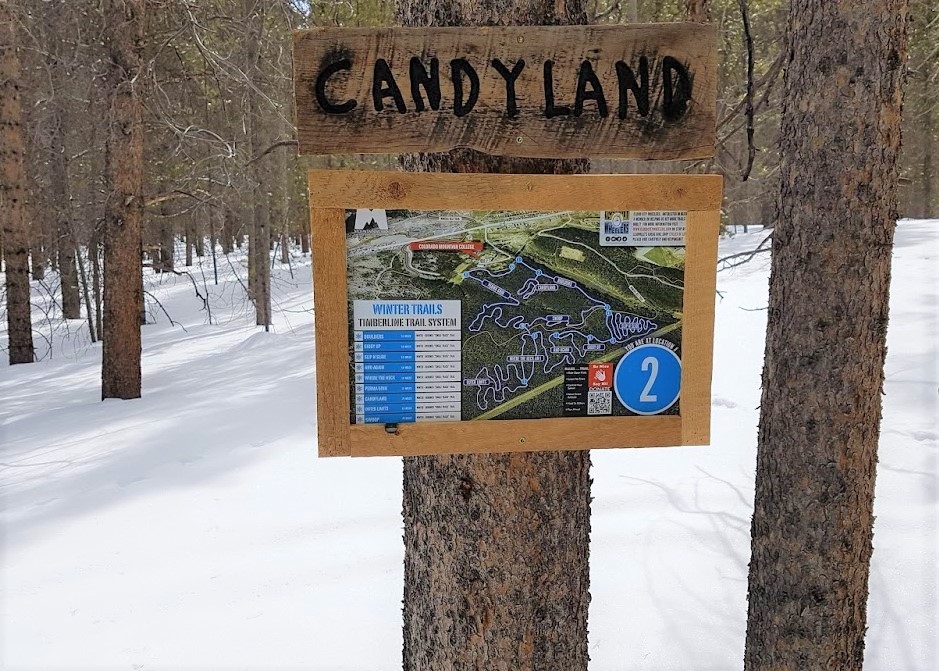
[406,361]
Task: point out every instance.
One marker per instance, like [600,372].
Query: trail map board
[564,317]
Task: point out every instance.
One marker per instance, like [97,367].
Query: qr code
[599,402]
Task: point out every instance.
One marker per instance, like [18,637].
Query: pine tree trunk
[60,191]
[167,241]
[94,260]
[13,196]
[37,254]
[282,194]
[85,294]
[228,231]
[929,173]
[123,280]
[825,346]
[260,243]
[61,209]
[189,239]
[496,546]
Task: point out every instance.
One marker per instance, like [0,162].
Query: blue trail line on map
[497,384]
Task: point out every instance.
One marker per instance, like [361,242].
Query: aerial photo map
[468,315]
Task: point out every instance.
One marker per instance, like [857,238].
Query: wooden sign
[468,313]
[641,91]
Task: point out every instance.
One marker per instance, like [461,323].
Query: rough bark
[13,219]
[123,280]
[496,546]
[823,374]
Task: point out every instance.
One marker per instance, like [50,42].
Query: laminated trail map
[474,315]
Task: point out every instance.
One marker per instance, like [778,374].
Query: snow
[196,529]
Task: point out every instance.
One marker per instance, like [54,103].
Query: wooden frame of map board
[332,193]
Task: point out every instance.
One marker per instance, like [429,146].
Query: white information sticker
[637,228]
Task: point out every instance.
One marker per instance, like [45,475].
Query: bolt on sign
[471,313]
[642,91]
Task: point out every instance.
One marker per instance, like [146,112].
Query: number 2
[647,363]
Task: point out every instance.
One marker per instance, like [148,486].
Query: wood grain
[516,435]
[332,332]
[436,191]
[697,336]
[660,131]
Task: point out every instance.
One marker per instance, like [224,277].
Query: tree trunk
[282,193]
[929,174]
[93,259]
[167,241]
[60,191]
[825,345]
[260,243]
[61,209]
[228,231]
[213,240]
[496,570]
[13,196]
[86,295]
[123,280]
[36,258]
[188,240]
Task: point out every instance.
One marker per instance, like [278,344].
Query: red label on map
[472,248]
[600,376]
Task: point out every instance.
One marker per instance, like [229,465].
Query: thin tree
[55,21]
[496,568]
[13,195]
[123,281]
[825,346]
[260,240]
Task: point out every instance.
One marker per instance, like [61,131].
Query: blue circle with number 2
[648,379]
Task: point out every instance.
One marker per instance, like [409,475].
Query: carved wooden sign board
[472,313]
[642,91]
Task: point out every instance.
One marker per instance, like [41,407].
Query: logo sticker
[600,376]
[636,228]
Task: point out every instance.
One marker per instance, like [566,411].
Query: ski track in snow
[196,529]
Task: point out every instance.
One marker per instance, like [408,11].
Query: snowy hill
[196,529]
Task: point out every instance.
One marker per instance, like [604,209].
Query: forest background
[220,166]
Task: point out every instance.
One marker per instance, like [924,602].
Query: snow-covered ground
[196,529]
